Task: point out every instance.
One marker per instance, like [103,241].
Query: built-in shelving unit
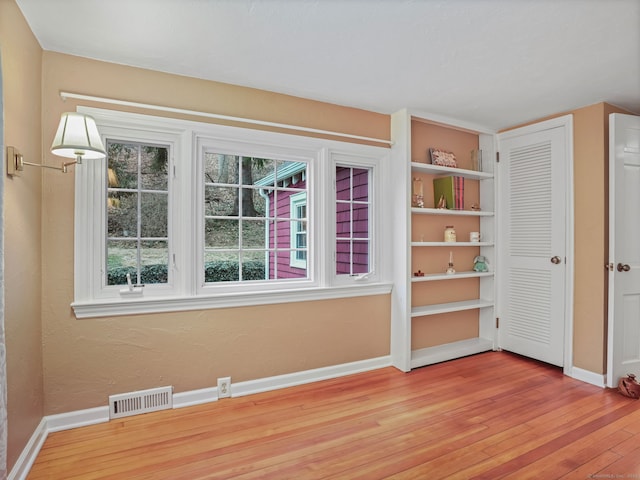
[438,316]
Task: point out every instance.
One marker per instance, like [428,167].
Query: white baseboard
[299,378]
[195,397]
[93,416]
[79,418]
[597,379]
[21,469]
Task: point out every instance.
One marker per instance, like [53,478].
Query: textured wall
[87,360]
[21,70]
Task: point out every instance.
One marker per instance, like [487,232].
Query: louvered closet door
[532,321]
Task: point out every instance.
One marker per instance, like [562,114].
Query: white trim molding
[251,387]
[218,116]
[587,376]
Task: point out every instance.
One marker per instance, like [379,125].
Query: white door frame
[565,121]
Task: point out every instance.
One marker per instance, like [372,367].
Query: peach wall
[590,192]
[591,175]
[87,360]
[21,71]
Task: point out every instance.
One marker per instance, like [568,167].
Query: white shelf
[450,307]
[452,244]
[430,277]
[449,351]
[458,172]
[446,211]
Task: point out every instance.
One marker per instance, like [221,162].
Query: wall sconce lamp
[77,137]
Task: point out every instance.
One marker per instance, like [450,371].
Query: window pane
[360,256]
[343,257]
[254,265]
[221,169]
[253,233]
[253,205]
[221,267]
[291,174]
[284,269]
[343,183]
[283,235]
[122,214]
[360,220]
[122,258]
[360,184]
[255,169]
[154,262]
[122,164]
[221,234]
[154,167]
[221,201]
[154,215]
[343,220]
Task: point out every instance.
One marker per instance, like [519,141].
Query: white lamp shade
[77,136]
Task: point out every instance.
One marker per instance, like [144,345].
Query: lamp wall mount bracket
[16,163]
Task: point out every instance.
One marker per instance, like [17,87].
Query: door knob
[623,268]
[555,260]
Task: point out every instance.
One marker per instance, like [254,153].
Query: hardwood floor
[489,416]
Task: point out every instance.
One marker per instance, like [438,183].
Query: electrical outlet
[224,387]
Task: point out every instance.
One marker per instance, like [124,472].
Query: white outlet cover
[224,387]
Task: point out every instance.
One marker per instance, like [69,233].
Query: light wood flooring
[488,416]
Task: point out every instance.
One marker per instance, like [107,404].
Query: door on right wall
[532,225]
[623,351]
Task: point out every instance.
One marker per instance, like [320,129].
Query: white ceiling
[491,62]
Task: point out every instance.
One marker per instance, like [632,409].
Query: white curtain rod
[148,106]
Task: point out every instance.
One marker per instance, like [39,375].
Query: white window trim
[187,291]
[233,145]
[379,238]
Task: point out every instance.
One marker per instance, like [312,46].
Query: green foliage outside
[218,271]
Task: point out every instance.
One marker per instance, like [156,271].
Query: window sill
[141,305]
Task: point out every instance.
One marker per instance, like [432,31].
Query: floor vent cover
[143,401]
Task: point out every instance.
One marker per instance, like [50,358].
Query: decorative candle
[450,270]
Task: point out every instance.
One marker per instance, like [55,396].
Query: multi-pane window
[248,218]
[189,215]
[353,206]
[137,243]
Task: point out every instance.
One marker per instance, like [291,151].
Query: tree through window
[248,218]
[137,213]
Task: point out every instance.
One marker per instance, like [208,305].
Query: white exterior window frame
[297,200]
[186,289]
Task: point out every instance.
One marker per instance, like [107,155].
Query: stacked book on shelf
[448,192]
